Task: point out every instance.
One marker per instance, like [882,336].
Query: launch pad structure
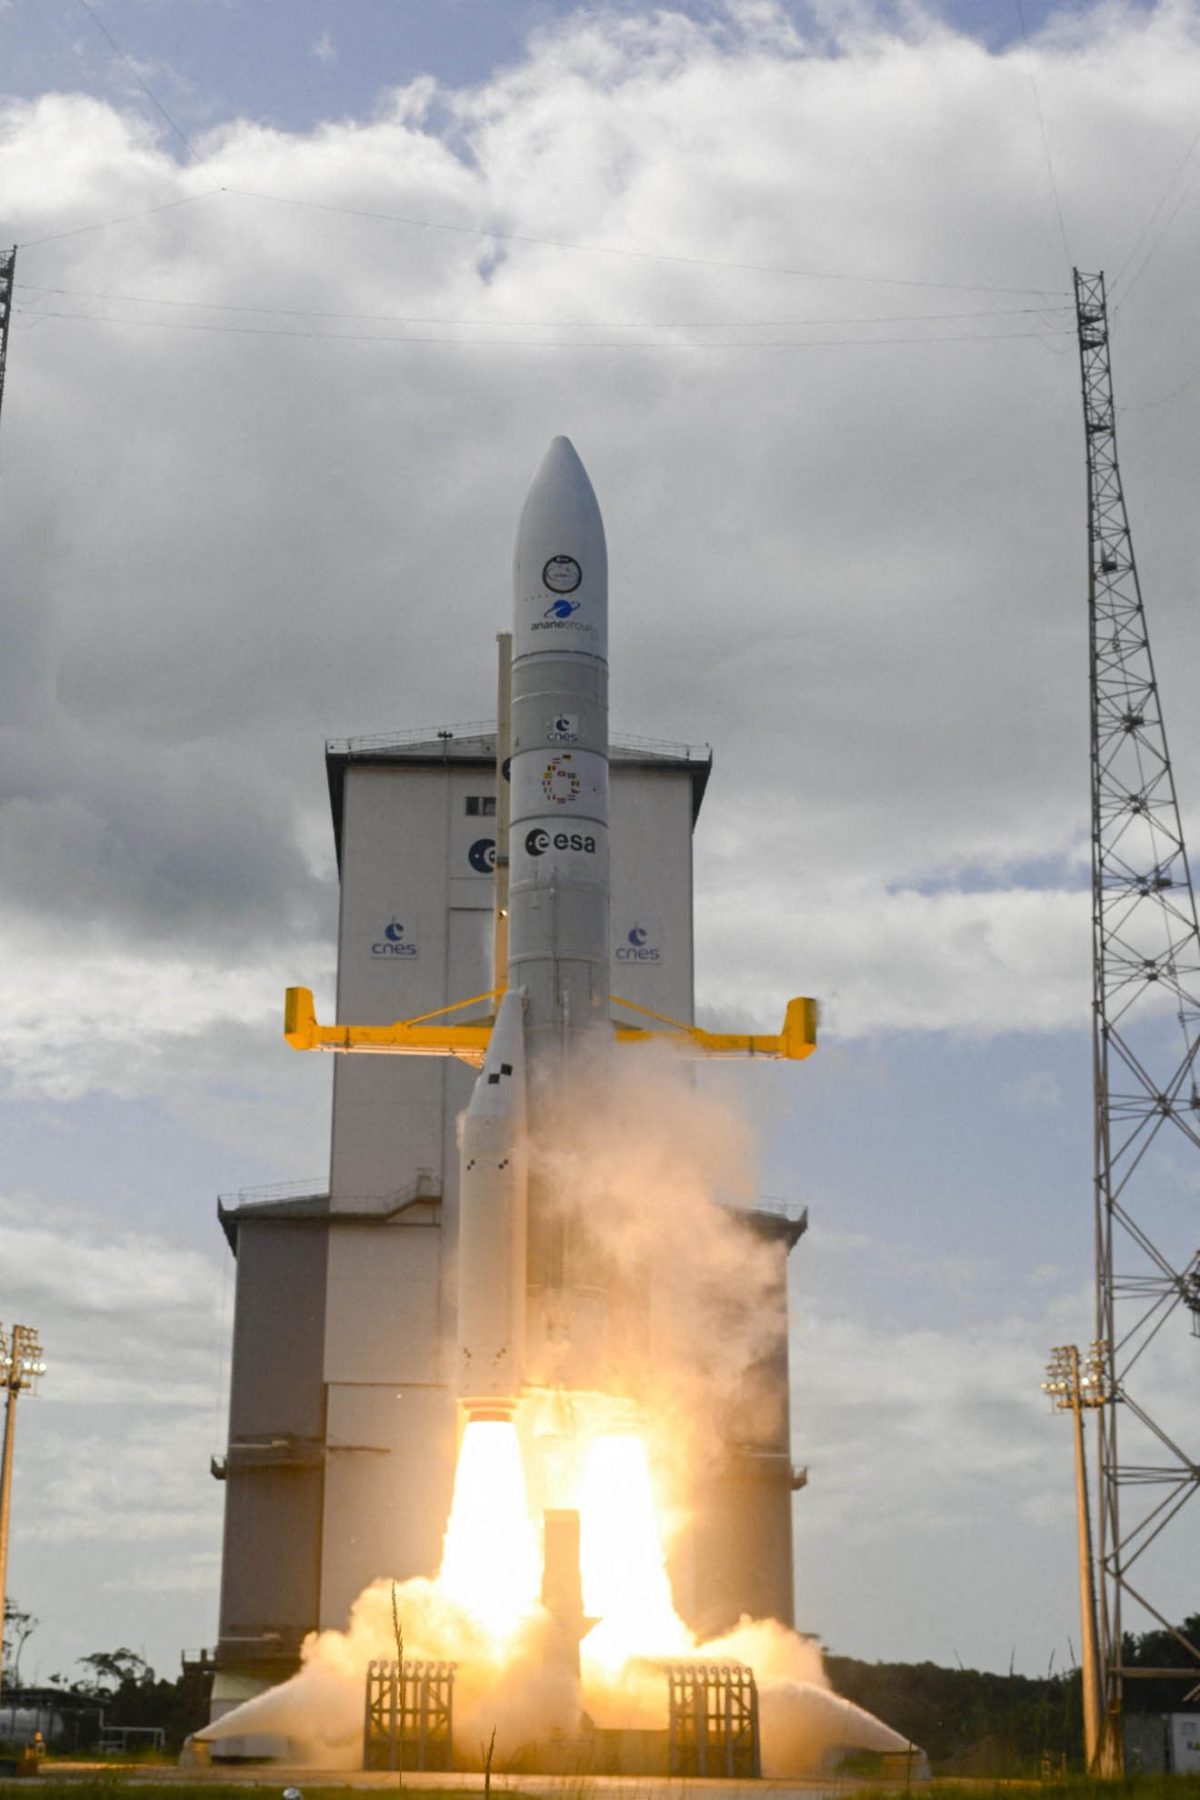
[342,1427]
[712,1726]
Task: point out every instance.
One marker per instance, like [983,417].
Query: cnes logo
[396,941]
[640,944]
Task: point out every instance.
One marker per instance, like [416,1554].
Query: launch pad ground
[79,1780]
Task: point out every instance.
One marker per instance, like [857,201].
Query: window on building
[481,806]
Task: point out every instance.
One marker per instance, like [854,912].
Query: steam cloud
[635,1156]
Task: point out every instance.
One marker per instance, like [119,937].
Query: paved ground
[542,1787]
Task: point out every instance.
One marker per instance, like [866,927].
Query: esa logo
[395,941]
[564,729]
[639,946]
[482,855]
[538,841]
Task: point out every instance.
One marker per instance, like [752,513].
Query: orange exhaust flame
[491,1558]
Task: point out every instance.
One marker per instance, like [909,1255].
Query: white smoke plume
[318,1714]
[655,1175]
[652,1177]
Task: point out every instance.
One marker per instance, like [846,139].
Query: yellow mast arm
[797,1040]
[420,1037]
[404,1037]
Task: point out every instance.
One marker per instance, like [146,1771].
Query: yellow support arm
[405,1037]
[420,1037]
[797,1040]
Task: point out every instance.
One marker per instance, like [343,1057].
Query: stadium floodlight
[21,1367]
[1075,1383]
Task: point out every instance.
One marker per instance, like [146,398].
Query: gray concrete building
[342,1424]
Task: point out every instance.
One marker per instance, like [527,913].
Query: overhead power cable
[1161,399]
[490,343]
[1052,299]
[1182,195]
[54,237]
[132,66]
[576,246]
[1041,119]
[299,312]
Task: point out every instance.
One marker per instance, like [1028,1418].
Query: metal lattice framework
[1146,1037]
[713,1720]
[409,1715]
[8,270]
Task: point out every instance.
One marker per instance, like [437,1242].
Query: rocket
[534,1299]
[557,979]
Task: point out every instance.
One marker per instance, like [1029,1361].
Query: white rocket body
[513,1243]
[492,1223]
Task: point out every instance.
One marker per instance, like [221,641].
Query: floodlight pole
[1072,1392]
[10,1424]
[20,1365]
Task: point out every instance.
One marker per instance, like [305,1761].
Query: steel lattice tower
[8,269]
[1146,1039]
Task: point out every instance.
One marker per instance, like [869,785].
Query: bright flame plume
[623,1564]
[491,1561]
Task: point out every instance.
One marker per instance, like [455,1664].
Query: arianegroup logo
[562,575]
[396,941]
[560,616]
[564,729]
[482,855]
[641,944]
[560,783]
[539,840]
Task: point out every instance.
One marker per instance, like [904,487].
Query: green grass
[1082,1787]
[102,1784]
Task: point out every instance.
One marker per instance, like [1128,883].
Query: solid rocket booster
[558,840]
[491,1222]
[558,929]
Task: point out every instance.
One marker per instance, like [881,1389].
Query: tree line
[1007,1723]
[988,1723]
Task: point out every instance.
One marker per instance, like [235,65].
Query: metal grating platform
[713,1720]
[409,1715]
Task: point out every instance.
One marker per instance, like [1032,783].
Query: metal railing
[471,732]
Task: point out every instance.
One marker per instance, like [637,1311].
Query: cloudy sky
[302,293]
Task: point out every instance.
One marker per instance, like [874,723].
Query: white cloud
[853,561]
[324,49]
[937,1466]
[112,1497]
[823,546]
[1014,959]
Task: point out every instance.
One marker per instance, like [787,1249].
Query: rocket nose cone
[560,530]
[562,485]
[561,468]
[562,450]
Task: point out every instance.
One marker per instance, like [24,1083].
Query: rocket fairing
[558,838]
